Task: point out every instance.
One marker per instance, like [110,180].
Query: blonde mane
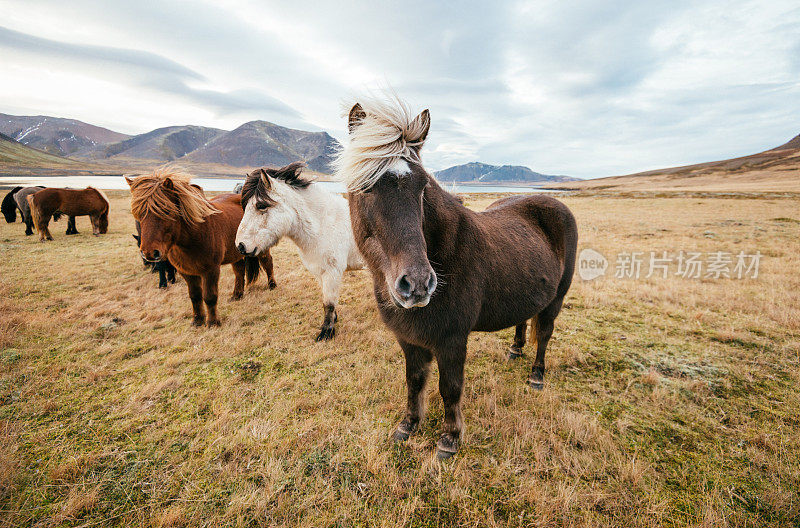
[148,195]
[387,133]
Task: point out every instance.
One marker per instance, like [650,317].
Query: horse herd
[439,270]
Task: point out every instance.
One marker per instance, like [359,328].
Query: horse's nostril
[403,286]
[156,254]
[431,285]
[241,249]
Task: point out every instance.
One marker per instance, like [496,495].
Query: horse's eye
[261,206]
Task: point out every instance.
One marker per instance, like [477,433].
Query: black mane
[254,186]
[9,206]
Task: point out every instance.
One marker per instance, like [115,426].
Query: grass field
[668,402]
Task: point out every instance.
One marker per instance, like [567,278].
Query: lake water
[224,184]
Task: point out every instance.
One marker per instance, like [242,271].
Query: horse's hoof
[404,430]
[213,323]
[446,447]
[326,334]
[273,285]
[236,297]
[399,436]
[535,384]
[198,322]
[514,353]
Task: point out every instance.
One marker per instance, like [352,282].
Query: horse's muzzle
[155,257]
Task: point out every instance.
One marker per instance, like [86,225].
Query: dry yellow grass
[668,402]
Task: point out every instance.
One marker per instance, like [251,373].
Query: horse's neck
[192,237]
[310,207]
[445,220]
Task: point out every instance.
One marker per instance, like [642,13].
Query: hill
[484,173]
[14,156]
[776,170]
[55,135]
[262,143]
[162,144]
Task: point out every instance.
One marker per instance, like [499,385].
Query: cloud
[575,88]
[146,70]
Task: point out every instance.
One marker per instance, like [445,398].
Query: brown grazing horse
[195,234]
[51,202]
[440,270]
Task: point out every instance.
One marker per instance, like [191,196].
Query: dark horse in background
[195,234]
[17,199]
[165,270]
[440,270]
[51,202]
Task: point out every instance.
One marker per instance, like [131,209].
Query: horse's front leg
[210,290]
[28,225]
[238,284]
[451,385]
[331,281]
[71,228]
[194,283]
[418,367]
[266,265]
[162,274]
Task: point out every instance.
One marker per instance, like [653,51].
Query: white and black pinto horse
[281,203]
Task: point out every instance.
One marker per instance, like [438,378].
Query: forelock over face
[256,187]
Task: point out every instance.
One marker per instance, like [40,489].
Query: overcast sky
[583,88]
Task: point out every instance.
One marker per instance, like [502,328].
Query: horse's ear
[265,179]
[357,115]
[130,181]
[420,127]
[168,184]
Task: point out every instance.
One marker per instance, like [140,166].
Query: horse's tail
[533,330]
[251,269]
[35,215]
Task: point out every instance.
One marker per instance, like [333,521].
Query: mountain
[56,135]
[162,144]
[484,173]
[260,143]
[776,170]
[14,155]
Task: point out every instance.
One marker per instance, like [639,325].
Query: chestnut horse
[51,202]
[440,270]
[195,234]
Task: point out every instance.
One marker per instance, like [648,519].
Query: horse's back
[21,197]
[544,212]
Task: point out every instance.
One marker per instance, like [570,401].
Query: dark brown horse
[196,235]
[51,202]
[440,270]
